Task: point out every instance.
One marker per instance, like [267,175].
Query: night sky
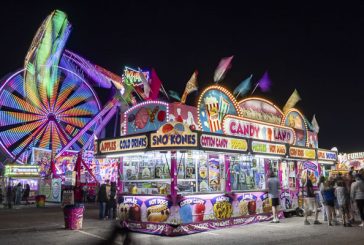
[317,49]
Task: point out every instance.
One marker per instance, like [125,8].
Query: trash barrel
[40,201]
[73,216]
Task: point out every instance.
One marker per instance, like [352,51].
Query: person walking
[112,201]
[342,197]
[357,194]
[108,188]
[322,203]
[18,194]
[349,180]
[310,202]
[273,191]
[26,194]
[84,193]
[329,201]
[102,200]
[9,196]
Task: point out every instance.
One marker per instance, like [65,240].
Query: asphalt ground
[31,225]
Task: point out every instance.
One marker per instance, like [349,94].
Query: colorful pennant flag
[155,85]
[146,86]
[243,87]
[174,95]
[316,127]
[265,83]
[190,86]
[291,102]
[222,68]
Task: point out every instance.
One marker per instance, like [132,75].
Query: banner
[223,143]
[268,148]
[239,126]
[123,144]
[173,135]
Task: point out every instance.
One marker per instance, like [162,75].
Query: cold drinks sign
[123,144]
[238,126]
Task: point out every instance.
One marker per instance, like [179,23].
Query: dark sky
[316,48]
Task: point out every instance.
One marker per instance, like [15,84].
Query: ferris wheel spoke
[12,99]
[19,126]
[33,96]
[24,141]
[72,103]
[43,141]
[68,89]
[22,103]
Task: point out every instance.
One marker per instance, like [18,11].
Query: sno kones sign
[173,134]
[242,127]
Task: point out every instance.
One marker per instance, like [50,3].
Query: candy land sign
[173,135]
[238,126]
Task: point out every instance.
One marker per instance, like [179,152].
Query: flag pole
[255,88]
[164,91]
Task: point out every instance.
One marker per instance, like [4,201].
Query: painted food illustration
[223,210]
[267,207]
[152,113]
[203,172]
[243,208]
[158,213]
[204,186]
[123,211]
[199,211]
[167,128]
[135,213]
[141,118]
[252,207]
[179,127]
[185,213]
[146,173]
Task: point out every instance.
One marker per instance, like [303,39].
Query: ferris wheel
[30,116]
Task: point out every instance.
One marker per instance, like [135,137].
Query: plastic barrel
[73,216]
[40,201]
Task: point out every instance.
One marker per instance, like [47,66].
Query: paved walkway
[30,225]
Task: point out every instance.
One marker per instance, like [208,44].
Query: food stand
[24,174]
[180,179]
[348,161]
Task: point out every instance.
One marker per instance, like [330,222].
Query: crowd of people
[338,196]
[106,197]
[14,195]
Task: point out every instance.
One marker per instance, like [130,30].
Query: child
[342,196]
[328,195]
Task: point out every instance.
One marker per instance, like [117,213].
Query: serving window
[199,171]
[147,173]
[247,173]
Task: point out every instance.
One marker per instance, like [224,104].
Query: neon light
[72,105]
[246,100]
[254,129]
[223,90]
[132,76]
[304,121]
[142,104]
